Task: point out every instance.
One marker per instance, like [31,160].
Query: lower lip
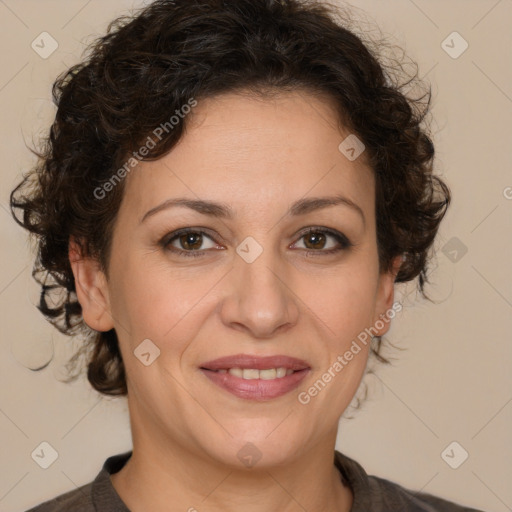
[256,389]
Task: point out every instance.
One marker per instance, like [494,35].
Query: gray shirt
[371,493]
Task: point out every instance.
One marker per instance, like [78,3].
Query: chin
[255,450]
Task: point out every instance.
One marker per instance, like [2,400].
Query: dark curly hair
[149,65]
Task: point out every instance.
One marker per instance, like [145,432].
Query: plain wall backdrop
[452,383]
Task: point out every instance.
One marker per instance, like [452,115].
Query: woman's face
[254,283]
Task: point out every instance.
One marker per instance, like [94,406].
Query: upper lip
[257,362]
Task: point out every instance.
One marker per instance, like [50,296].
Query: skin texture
[258,156]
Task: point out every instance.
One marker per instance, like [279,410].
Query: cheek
[343,300]
[344,307]
[157,303]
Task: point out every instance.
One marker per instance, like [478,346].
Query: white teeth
[237,372]
[268,374]
[252,373]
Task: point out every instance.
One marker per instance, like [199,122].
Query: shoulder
[391,496]
[375,494]
[96,495]
[78,500]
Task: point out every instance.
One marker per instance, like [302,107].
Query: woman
[229,193]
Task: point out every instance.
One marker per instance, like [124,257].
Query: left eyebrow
[308,205]
[222,210]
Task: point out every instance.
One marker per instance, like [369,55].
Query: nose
[260,299]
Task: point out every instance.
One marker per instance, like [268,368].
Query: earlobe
[386,294]
[91,289]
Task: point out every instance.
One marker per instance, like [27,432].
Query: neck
[178,480]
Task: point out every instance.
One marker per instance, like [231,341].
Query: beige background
[452,383]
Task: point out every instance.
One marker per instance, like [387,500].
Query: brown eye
[187,242]
[191,241]
[317,241]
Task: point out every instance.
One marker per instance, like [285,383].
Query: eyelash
[340,238]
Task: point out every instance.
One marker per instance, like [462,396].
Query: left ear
[385,295]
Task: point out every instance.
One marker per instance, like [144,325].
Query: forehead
[255,153]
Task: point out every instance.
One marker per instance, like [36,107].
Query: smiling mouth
[256,377]
[253,373]
[256,385]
